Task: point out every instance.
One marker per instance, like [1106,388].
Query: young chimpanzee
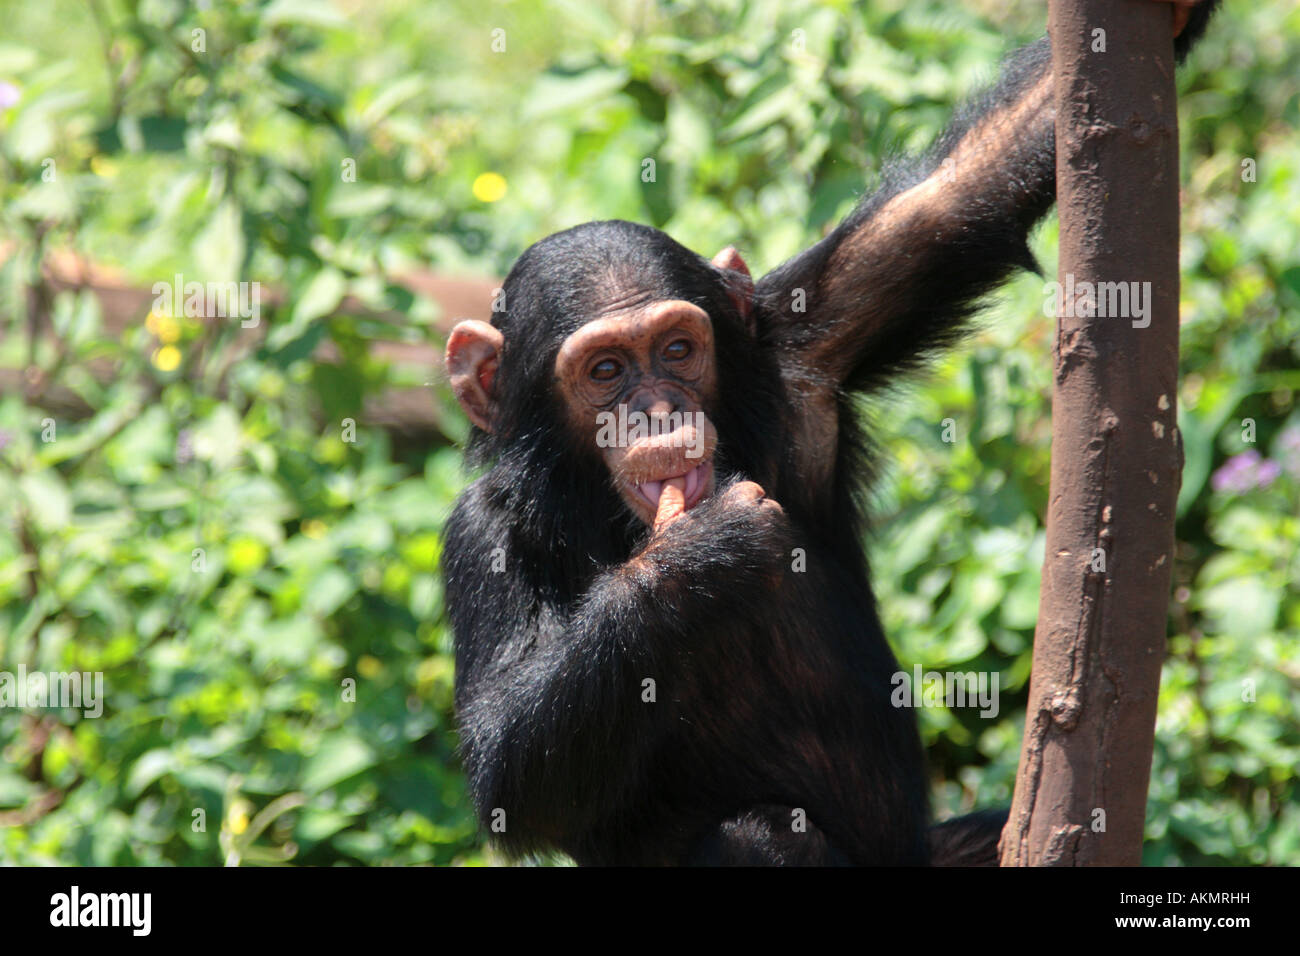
[667,647]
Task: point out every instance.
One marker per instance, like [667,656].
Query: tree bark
[1080,796]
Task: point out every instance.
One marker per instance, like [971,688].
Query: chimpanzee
[667,646]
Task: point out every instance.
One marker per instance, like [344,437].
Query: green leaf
[47,500]
[321,297]
[219,247]
[556,92]
[303,12]
[338,758]
[149,767]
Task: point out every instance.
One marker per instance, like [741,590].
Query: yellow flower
[103,167]
[314,528]
[489,187]
[245,554]
[433,669]
[167,358]
[166,328]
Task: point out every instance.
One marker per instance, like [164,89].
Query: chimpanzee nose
[654,403]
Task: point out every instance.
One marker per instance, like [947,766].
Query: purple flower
[1244,472]
[5,439]
[9,95]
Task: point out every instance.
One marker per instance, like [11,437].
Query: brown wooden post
[1081,792]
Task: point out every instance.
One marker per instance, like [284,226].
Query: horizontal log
[411,413]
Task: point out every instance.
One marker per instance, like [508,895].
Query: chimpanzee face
[636,384]
[635,371]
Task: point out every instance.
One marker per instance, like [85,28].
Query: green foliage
[261,594]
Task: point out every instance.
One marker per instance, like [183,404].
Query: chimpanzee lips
[697,483]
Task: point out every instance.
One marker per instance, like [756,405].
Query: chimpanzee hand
[742,502]
[736,533]
[1182,12]
[748,497]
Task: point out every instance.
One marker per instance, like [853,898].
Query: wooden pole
[1081,791]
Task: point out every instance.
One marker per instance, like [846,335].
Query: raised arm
[908,266]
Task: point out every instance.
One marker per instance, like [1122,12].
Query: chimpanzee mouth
[696,486]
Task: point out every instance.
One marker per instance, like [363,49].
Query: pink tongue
[672,501]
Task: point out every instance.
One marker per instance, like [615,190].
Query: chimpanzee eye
[606,370]
[677,350]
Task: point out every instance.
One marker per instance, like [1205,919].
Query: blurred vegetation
[226,686]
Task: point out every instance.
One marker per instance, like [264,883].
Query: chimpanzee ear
[473,354]
[740,285]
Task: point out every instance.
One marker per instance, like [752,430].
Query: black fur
[971,840]
[766,694]
[773,687]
